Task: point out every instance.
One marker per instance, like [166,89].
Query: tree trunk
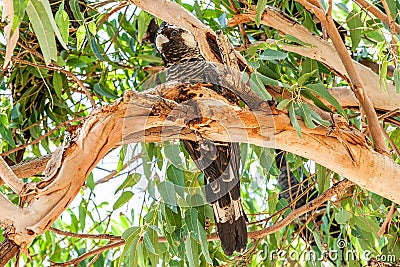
[8,249]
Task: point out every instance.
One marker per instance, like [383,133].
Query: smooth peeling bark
[150,119]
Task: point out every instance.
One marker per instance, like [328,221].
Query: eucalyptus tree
[83,89]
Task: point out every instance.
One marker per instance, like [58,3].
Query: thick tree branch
[324,52]
[10,178]
[334,190]
[356,83]
[30,167]
[8,249]
[258,234]
[65,123]
[176,14]
[155,116]
[149,117]
[392,26]
[377,13]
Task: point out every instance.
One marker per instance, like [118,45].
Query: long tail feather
[220,164]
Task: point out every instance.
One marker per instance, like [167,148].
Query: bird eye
[174,33]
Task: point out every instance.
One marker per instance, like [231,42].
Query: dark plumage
[220,162]
[292,189]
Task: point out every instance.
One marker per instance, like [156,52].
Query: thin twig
[392,27]
[92,236]
[355,80]
[327,195]
[377,13]
[386,223]
[241,27]
[41,137]
[90,253]
[392,144]
[55,67]
[389,114]
[95,258]
[108,14]
[115,172]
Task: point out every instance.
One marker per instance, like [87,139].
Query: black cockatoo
[220,162]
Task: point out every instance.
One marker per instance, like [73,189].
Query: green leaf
[303,78]
[148,243]
[268,81]
[49,14]
[367,224]
[19,13]
[80,36]
[309,95]
[124,198]
[323,182]
[198,11]
[317,118]
[320,90]
[16,115]
[310,66]
[396,78]
[150,58]
[176,176]
[172,152]
[270,54]
[92,28]
[131,233]
[76,10]
[174,218]
[62,21]
[342,216]
[283,104]
[204,243]
[260,10]
[97,49]
[167,192]
[131,236]
[394,12]
[90,181]
[104,91]
[6,134]
[191,220]
[82,215]
[57,84]
[272,202]
[382,76]
[3,119]
[375,35]
[191,251]
[293,119]
[294,39]
[306,115]
[266,159]
[130,180]
[355,24]
[317,240]
[258,87]
[42,27]
[143,22]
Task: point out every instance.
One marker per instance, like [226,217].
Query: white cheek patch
[161,39]
[189,40]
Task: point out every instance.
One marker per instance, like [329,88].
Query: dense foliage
[103,48]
